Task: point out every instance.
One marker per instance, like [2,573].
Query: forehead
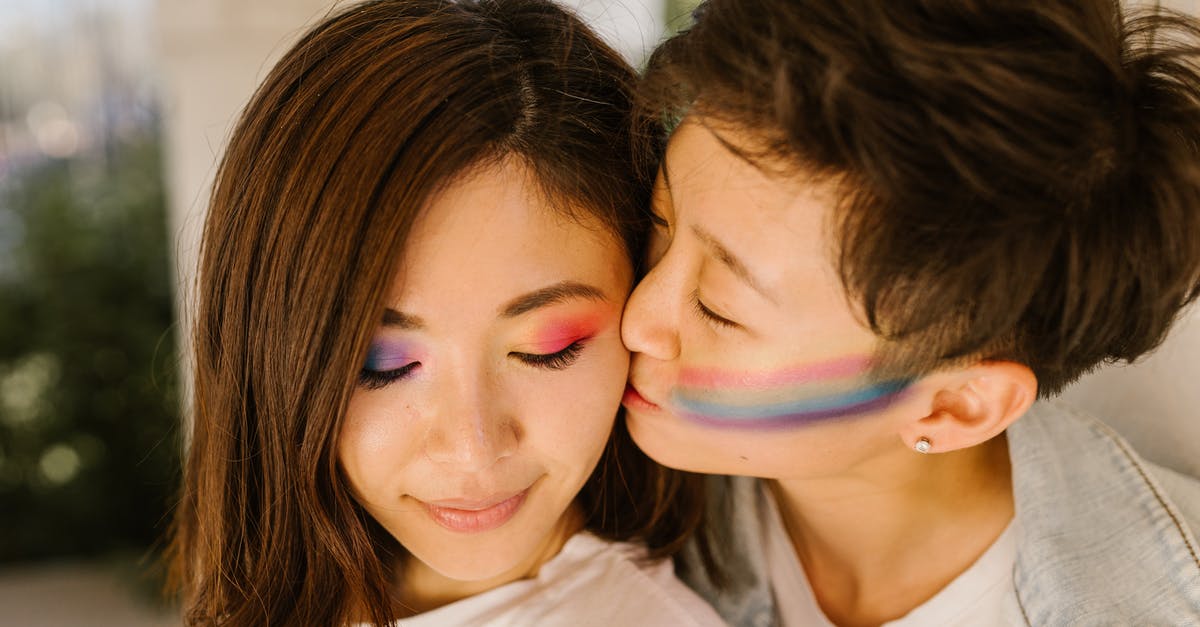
[491,234]
[778,224]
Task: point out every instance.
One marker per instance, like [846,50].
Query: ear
[973,405]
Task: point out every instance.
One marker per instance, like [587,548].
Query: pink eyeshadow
[561,333]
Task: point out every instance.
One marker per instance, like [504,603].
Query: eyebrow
[551,295]
[398,320]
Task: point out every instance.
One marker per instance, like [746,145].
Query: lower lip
[635,401]
[476,520]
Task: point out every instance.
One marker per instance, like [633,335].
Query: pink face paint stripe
[821,371]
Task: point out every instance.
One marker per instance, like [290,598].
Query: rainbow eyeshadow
[558,334]
[385,355]
[784,399]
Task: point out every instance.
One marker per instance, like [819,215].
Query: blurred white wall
[214,52]
[633,27]
[1154,403]
[1189,6]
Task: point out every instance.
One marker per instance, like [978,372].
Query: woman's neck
[422,589]
[879,541]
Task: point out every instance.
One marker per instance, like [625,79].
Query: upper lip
[473,503]
[638,389]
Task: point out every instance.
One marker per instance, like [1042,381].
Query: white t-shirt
[984,595]
[590,582]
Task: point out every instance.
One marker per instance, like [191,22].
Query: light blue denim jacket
[1104,537]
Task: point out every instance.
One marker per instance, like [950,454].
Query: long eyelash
[659,220]
[376,379]
[709,315]
[553,361]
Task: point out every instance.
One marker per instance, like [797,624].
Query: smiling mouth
[475,516]
[635,401]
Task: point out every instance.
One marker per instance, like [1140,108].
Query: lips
[635,401]
[475,515]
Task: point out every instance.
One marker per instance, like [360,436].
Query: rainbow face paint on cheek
[386,355]
[786,398]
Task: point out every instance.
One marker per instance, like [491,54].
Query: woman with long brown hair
[408,357]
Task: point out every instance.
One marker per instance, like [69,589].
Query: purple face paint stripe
[789,421]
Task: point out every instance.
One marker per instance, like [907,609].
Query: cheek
[376,442]
[571,412]
[806,453]
[602,380]
[786,407]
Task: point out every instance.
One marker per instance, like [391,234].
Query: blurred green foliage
[88,411]
[679,14]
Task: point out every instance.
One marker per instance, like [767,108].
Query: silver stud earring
[923,445]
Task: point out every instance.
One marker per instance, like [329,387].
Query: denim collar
[1099,540]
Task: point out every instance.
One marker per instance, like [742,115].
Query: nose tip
[648,326]
[470,438]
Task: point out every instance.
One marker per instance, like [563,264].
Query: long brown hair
[1021,179]
[347,137]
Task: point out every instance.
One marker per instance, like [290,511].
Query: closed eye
[710,316]
[376,379]
[552,361]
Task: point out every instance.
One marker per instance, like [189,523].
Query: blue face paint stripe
[809,405]
[792,421]
[807,410]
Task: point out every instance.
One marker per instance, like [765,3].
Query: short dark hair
[344,143]
[1019,179]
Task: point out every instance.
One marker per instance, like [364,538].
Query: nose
[650,324]
[469,431]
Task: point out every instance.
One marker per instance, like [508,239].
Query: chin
[670,443]
[678,444]
[508,552]
[481,562]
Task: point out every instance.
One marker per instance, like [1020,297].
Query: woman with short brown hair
[886,228]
